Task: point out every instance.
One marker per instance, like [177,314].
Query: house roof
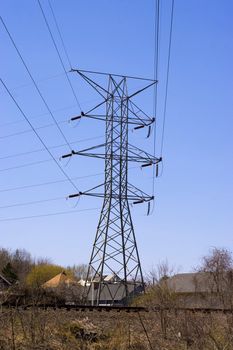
[58,280]
[201,282]
[186,282]
[112,278]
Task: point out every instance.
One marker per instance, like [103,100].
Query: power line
[42,162]
[38,136]
[47,215]
[23,204]
[34,82]
[156,66]
[38,116]
[53,182]
[57,50]
[156,53]
[25,165]
[60,35]
[47,183]
[36,162]
[167,78]
[30,130]
[52,147]
[21,86]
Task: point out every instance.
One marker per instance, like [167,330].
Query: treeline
[19,267]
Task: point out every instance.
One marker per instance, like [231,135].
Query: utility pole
[115,249]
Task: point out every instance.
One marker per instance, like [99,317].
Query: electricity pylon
[115,249]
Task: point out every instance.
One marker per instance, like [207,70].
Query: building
[112,290]
[59,280]
[65,287]
[201,289]
[113,293]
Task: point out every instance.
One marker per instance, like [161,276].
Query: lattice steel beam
[115,249]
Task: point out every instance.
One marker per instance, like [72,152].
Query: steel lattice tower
[115,249]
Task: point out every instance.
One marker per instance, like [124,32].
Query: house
[64,287]
[59,280]
[113,278]
[113,293]
[201,289]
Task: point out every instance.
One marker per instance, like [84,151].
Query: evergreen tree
[9,273]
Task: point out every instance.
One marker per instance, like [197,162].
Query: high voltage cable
[34,163]
[156,65]
[38,116]
[38,136]
[60,35]
[39,185]
[25,165]
[52,147]
[54,182]
[30,130]
[38,81]
[167,77]
[58,53]
[47,215]
[34,82]
[23,204]
[37,128]
[48,183]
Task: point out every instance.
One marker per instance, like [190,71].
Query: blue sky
[193,208]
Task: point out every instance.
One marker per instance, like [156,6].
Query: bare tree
[15,264]
[79,271]
[218,266]
[159,294]
[22,263]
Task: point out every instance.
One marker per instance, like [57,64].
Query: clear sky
[193,208]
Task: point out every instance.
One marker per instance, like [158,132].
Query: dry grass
[93,330]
